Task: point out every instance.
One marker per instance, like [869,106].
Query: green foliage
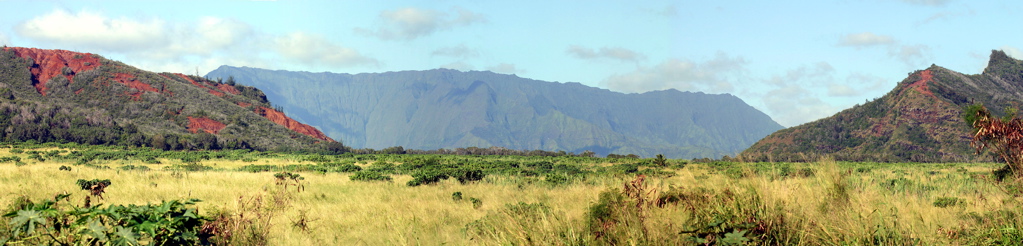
[369,176]
[96,187]
[51,222]
[456,196]
[425,177]
[476,202]
[943,202]
[343,167]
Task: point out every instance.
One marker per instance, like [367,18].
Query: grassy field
[717,203]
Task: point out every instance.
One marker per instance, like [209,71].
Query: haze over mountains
[445,108]
[920,120]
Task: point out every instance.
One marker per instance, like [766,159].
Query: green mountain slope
[449,109]
[63,96]
[920,120]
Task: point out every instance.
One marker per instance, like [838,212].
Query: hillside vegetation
[63,96]
[920,120]
[446,108]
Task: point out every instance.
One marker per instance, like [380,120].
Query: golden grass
[344,212]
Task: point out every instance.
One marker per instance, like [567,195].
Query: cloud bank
[412,23]
[206,43]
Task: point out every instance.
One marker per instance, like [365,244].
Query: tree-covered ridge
[445,108]
[919,120]
[63,96]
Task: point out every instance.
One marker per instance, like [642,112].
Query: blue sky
[795,60]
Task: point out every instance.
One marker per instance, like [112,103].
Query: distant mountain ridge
[919,120]
[64,96]
[445,108]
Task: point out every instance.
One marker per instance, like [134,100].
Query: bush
[369,176]
[943,202]
[425,177]
[345,167]
[170,223]
[466,176]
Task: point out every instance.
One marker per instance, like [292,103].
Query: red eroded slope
[205,124]
[921,85]
[130,81]
[281,119]
[228,88]
[210,90]
[50,63]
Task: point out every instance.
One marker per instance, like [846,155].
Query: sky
[796,61]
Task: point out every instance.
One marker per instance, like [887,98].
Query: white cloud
[460,51]
[411,23]
[1012,52]
[460,66]
[4,41]
[505,68]
[792,105]
[206,43]
[944,16]
[817,74]
[865,39]
[912,55]
[927,2]
[615,53]
[312,49]
[94,31]
[714,76]
[797,96]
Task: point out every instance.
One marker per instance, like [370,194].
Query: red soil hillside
[51,63]
[205,124]
[211,90]
[921,85]
[281,119]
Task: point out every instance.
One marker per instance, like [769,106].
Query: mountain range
[445,108]
[64,96]
[920,120]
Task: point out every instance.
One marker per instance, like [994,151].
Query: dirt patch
[921,85]
[228,88]
[47,64]
[205,124]
[281,119]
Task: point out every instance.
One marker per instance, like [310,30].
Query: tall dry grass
[835,203]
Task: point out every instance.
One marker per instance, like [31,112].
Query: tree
[660,160]
[1003,137]
[230,80]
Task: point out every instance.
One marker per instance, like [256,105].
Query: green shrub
[346,168]
[943,202]
[425,177]
[476,202]
[466,176]
[169,223]
[369,176]
[10,159]
[556,179]
[457,196]
[134,167]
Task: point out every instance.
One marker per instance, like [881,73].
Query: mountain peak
[919,120]
[1001,63]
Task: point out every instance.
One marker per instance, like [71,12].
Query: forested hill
[64,96]
[920,120]
[446,108]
